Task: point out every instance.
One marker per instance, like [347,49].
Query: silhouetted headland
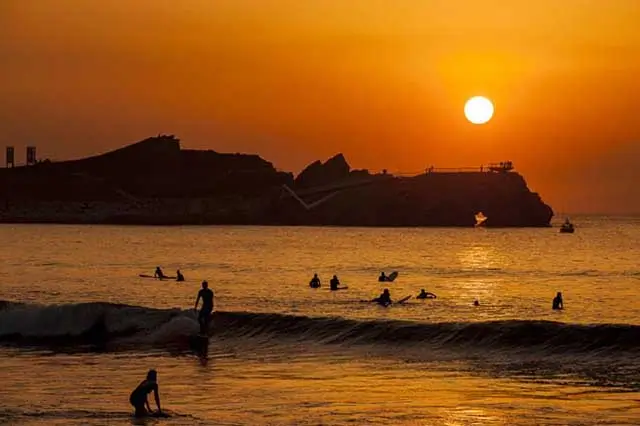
[155,182]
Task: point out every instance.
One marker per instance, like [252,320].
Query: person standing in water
[557,302]
[139,395]
[315,281]
[334,283]
[204,316]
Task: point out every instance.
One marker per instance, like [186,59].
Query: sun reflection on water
[465,416]
[481,257]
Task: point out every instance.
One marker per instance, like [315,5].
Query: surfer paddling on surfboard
[158,274]
[385,299]
[204,316]
[424,294]
[139,395]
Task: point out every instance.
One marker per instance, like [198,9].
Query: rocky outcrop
[434,199]
[156,182]
[335,169]
[150,169]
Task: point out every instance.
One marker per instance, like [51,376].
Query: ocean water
[79,328]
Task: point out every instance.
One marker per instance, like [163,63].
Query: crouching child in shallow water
[139,395]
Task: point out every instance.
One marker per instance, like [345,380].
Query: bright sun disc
[478,110]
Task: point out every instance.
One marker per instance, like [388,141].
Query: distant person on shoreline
[382,278]
[476,302]
[557,302]
[179,276]
[425,295]
[384,299]
[204,316]
[315,282]
[159,274]
[138,397]
[334,283]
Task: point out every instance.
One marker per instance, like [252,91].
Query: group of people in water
[139,396]
[159,274]
[385,298]
[334,283]
[205,293]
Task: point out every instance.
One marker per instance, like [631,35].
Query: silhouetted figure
[382,278]
[557,302]
[179,276]
[158,273]
[567,227]
[384,299]
[334,283]
[476,303]
[139,395]
[315,281]
[425,295]
[204,316]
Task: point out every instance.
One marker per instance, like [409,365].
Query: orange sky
[384,82]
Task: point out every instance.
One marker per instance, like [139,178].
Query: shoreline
[177,223]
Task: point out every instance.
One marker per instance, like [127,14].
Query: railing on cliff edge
[501,167]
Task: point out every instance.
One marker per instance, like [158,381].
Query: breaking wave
[114,325]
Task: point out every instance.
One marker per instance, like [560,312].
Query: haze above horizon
[298,81]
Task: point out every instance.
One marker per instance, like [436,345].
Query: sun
[478,110]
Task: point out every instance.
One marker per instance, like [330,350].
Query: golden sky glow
[384,82]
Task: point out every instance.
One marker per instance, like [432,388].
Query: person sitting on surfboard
[315,281]
[382,278]
[159,274]
[334,283]
[179,276]
[384,299]
[557,302]
[425,295]
[139,399]
[204,316]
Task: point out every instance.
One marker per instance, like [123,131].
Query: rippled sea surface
[79,328]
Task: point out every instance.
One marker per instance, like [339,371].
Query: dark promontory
[156,182]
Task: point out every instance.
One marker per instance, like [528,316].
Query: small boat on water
[567,227]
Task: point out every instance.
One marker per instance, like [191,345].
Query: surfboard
[401,301]
[151,276]
[389,278]
[428,296]
[339,288]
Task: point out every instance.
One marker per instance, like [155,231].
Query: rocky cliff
[156,182]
